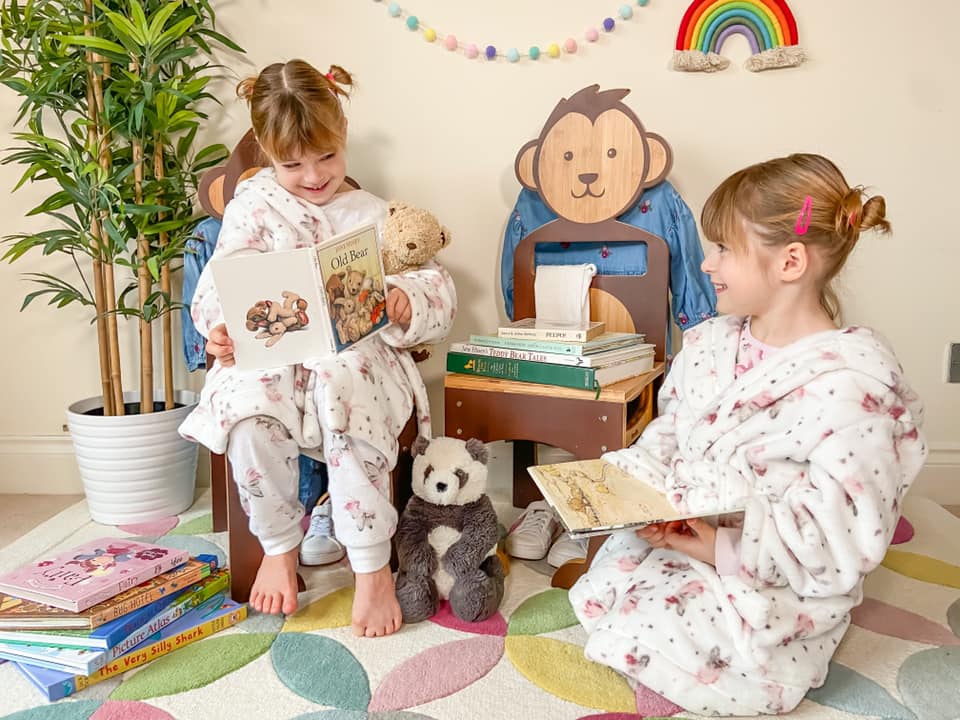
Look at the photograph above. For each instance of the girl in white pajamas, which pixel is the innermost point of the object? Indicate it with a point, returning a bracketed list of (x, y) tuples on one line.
[(809, 427), (351, 406)]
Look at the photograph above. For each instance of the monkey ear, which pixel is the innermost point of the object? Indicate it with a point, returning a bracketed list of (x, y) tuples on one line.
[(661, 160), (523, 166)]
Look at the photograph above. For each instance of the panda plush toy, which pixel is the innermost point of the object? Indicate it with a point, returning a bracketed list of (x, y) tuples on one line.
[(447, 535)]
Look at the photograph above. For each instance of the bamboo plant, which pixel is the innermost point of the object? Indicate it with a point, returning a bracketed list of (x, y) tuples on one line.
[(111, 94)]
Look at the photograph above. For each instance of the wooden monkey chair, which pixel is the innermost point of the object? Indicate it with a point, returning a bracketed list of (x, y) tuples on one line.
[(216, 189), (591, 162)]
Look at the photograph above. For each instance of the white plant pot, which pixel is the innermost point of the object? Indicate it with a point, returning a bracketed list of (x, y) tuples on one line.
[(134, 468)]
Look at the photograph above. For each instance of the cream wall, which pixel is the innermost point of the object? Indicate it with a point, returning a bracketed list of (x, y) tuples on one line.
[(438, 130)]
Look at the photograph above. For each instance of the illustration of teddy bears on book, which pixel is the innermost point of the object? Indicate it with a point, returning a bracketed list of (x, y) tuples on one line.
[(358, 302), (270, 319)]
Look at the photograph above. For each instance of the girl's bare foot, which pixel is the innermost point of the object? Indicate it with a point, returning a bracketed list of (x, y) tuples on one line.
[(376, 611), (275, 589)]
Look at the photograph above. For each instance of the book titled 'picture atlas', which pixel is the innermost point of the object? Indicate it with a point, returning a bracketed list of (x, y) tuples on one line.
[(90, 573), (288, 306), (216, 614)]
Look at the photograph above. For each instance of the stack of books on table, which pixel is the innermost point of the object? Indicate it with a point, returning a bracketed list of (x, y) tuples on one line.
[(581, 356), (107, 606)]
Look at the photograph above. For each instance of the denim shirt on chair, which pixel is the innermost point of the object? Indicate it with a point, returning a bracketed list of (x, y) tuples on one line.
[(199, 249), (660, 211)]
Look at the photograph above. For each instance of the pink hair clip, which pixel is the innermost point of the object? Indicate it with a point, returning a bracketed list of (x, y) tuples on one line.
[(852, 218), (803, 219), (329, 77)]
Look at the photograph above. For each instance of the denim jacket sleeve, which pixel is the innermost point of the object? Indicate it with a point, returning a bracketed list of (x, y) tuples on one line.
[(199, 249), (693, 298), (511, 238)]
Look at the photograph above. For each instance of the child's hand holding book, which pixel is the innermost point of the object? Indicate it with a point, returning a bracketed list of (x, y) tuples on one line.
[(398, 308), (694, 537), (220, 345)]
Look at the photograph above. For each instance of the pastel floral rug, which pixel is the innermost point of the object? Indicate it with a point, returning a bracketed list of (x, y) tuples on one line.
[(899, 661)]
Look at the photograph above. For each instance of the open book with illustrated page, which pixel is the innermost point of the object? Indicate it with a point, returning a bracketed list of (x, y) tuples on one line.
[(595, 497), (287, 306)]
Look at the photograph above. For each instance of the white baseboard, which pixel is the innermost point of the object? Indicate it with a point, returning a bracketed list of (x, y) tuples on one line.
[(45, 465), (940, 478)]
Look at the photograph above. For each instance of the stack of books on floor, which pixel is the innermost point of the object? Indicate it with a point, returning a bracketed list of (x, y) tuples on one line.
[(107, 606), (576, 356)]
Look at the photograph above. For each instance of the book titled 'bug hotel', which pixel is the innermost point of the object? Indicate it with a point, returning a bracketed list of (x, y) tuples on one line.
[(287, 306)]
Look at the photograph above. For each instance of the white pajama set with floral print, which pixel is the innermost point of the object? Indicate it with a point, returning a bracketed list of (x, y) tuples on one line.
[(818, 443), (352, 405)]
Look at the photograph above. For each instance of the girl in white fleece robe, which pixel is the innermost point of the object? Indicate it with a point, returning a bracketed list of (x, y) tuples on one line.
[(352, 406), (812, 429)]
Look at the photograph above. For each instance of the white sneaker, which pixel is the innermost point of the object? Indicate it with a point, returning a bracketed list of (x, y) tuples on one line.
[(533, 532), (319, 546), (566, 549)]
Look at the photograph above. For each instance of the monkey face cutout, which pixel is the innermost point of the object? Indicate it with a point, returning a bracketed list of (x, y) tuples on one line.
[(593, 158)]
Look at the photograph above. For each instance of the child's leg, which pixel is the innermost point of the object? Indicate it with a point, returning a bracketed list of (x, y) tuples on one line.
[(365, 521), (265, 466)]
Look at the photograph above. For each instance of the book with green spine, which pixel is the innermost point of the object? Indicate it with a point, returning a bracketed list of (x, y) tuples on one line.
[(583, 378)]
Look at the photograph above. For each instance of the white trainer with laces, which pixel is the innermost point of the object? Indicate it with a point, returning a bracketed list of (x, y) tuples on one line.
[(566, 549), (533, 532), (319, 546)]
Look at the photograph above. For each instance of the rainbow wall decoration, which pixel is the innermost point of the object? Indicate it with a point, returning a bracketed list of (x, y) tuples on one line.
[(768, 25)]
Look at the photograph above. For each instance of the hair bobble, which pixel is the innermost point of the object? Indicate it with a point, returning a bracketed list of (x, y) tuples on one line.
[(803, 219), (329, 76)]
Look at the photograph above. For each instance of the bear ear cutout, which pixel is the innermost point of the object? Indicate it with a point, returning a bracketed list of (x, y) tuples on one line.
[(218, 184), (419, 446), (478, 451), (211, 192)]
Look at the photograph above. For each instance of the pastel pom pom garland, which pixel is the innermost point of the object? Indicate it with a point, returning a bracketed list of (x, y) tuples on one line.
[(491, 52)]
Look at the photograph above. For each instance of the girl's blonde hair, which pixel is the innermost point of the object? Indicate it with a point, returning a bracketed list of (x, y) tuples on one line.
[(771, 196), (294, 107)]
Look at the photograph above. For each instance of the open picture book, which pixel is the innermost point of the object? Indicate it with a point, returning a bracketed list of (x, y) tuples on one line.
[(287, 306), (595, 497)]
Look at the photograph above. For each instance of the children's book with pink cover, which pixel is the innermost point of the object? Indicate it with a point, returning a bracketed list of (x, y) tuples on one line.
[(87, 574)]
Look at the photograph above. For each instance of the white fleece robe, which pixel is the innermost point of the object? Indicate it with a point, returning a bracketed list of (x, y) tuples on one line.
[(365, 393), (819, 443)]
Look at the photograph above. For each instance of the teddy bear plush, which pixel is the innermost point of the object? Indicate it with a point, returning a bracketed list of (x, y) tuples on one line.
[(447, 535), (411, 237)]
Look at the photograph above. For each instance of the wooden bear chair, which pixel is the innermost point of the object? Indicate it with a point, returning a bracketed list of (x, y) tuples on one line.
[(216, 190)]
